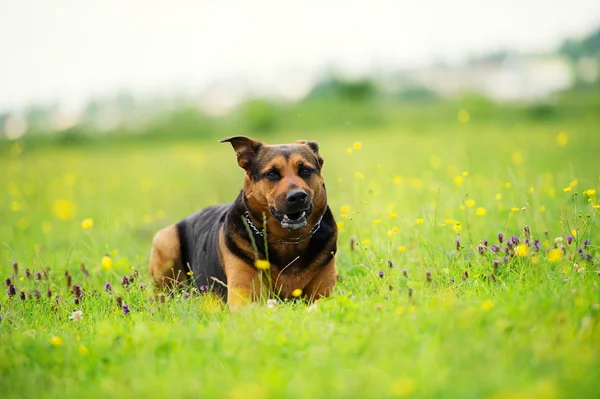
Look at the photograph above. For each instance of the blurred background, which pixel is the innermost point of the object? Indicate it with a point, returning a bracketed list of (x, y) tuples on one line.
[(75, 72)]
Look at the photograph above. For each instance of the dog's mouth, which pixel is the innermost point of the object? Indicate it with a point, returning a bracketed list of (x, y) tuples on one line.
[(294, 220)]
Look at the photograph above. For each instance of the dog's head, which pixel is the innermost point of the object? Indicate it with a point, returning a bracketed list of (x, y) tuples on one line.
[(282, 181)]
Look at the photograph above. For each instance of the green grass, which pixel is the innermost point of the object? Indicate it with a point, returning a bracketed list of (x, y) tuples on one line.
[(529, 328)]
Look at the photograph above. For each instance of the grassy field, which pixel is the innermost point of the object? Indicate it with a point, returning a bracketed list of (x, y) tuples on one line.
[(423, 308)]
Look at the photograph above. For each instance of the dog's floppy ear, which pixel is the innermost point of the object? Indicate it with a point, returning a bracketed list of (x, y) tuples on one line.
[(313, 146), (245, 149)]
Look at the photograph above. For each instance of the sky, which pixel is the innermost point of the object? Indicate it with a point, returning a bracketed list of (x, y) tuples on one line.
[(67, 51)]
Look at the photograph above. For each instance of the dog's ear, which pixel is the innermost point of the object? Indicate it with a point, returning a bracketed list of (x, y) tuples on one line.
[(245, 149), (314, 146)]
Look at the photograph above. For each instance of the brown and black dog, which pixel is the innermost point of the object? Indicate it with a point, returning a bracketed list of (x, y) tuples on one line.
[(280, 215)]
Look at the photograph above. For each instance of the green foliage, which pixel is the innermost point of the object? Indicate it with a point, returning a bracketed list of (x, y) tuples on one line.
[(442, 321)]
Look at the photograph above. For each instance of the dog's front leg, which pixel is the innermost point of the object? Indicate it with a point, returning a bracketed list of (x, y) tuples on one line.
[(322, 284), (243, 283)]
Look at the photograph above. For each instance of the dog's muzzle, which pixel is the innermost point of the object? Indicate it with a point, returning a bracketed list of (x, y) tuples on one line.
[(294, 214)]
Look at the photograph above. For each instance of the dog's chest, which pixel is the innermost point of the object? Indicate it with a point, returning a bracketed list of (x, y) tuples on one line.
[(285, 281)]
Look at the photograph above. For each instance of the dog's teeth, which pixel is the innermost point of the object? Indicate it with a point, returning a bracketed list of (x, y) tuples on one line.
[(302, 214)]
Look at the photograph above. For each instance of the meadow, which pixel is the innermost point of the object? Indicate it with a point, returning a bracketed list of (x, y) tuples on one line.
[(468, 261)]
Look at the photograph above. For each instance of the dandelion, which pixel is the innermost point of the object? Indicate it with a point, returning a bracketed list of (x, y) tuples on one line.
[(345, 208), (567, 189), (589, 193), (397, 180), (470, 203), (87, 223), (126, 309), (357, 145), (393, 215), (340, 225), (262, 264), (343, 216), (554, 255), (376, 221), (106, 262), (64, 210), (457, 227), (522, 250), (562, 139), (366, 241), (297, 292), (420, 221), (395, 229), (480, 211), (56, 341), (402, 248), (458, 180), (514, 209), (498, 196), (487, 305), (76, 315)]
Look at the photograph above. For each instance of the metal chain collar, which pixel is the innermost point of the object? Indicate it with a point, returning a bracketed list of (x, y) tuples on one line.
[(262, 232)]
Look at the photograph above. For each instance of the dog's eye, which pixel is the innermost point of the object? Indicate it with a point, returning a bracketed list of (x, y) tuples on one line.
[(305, 172), (272, 175)]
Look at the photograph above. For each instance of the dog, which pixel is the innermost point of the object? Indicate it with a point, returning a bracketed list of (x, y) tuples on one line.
[(279, 233)]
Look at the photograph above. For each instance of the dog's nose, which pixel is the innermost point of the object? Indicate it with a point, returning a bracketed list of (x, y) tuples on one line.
[(296, 197)]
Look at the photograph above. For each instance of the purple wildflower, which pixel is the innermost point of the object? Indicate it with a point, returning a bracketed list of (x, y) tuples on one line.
[(485, 243), (126, 309), (500, 238), (38, 275), (514, 240), (107, 287), (8, 282), (69, 280), (586, 244), (537, 244), (28, 273), (125, 281), (390, 263), (587, 257), (186, 295), (203, 288), (76, 301), (405, 273), (36, 294), (381, 273), (410, 293), (457, 240), (527, 231), (481, 249), (84, 270), (143, 286), (428, 276), (22, 295), (12, 290), (505, 259), (496, 264), (77, 291), (580, 250), (495, 248), (119, 301), (570, 239), (15, 268)]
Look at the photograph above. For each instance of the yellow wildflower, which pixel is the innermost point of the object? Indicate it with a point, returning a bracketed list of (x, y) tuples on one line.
[(487, 305), (471, 203), (343, 216), (64, 210), (262, 264), (345, 208), (366, 241), (522, 250), (531, 190), (596, 206), (395, 229), (297, 292), (589, 193), (480, 211), (420, 221), (359, 175), (554, 255), (535, 260), (458, 180), (56, 341), (457, 227), (542, 208), (390, 233), (461, 207), (514, 209), (574, 183), (448, 221), (357, 145), (340, 225), (567, 189), (562, 139), (463, 116), (401, 248), (106, 262), (349, 150), (465, 174), (376, 221), (507, 184), (397, 180), (87, 223), (83, 350), (393, 215), (498, 196)]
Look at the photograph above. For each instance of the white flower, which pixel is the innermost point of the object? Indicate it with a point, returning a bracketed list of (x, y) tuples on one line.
[(76, 315), (312, 308), (271, 303)]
